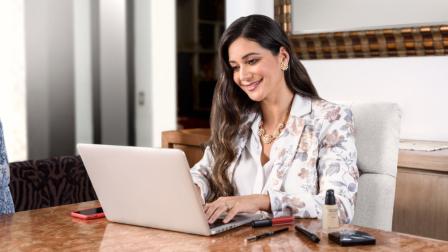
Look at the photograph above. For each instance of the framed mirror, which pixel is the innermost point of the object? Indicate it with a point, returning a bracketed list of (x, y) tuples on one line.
[(390, 41)]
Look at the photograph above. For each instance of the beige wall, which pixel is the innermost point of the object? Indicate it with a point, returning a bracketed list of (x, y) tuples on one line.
[(328, 15), (155, 69)]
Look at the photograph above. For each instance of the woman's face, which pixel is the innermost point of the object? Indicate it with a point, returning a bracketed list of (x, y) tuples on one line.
[(256, 70)]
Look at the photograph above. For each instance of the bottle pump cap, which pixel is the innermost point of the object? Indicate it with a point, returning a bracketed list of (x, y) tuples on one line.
[(329, 197)]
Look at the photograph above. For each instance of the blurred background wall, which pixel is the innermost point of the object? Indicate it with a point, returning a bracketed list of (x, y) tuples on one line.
[(12, 78), (77, 71), (123, 71)]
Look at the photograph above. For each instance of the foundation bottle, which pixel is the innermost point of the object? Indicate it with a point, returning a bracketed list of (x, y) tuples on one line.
[(330, 219)]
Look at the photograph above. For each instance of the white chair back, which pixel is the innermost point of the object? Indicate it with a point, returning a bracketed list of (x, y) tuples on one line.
[(377, 136)]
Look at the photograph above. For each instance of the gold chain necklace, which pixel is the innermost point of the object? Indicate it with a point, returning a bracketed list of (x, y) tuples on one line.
[(266, 138)]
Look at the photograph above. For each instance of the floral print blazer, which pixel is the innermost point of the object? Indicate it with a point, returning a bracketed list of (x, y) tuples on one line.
[(6, 204), (315, 152)]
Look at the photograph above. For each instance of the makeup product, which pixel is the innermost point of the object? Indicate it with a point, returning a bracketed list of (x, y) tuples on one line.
[(310, 235), (267, 234), (285, 220), (351, 238), (330, 219)]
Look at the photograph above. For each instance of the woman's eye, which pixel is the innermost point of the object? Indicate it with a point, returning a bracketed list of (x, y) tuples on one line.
[(235, 68), (252, 61)]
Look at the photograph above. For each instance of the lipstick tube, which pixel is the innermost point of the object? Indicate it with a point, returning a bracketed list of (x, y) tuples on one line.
[(273, 222)]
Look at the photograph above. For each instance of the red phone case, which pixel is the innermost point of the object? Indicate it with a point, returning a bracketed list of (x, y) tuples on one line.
[(87, 217)]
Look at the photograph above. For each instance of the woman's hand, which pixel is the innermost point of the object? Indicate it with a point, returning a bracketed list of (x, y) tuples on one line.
[(234, 205)]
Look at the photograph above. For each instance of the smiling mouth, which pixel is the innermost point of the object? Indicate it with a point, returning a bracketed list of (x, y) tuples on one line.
[(253, 85)]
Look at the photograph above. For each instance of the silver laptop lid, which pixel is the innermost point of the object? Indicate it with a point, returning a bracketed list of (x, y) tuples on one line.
[(149, 187), (145, 186)]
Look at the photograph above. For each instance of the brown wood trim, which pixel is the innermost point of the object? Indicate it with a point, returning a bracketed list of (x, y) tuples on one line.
[(389, 42), (282, 14)]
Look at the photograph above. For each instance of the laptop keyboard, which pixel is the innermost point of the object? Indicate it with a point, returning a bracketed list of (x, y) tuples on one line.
[(218, 223)]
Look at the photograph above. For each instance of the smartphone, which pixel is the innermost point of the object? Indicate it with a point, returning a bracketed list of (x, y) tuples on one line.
[(88, 214)]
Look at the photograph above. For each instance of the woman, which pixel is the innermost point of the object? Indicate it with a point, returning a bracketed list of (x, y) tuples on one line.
[(275, 145)]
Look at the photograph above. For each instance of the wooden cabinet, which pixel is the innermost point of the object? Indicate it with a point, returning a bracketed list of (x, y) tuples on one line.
[(421, 196)]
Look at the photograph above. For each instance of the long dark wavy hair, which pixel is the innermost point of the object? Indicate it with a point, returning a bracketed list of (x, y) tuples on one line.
[(231, 106)]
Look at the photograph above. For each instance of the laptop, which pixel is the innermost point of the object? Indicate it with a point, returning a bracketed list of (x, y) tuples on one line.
[(150, 187)]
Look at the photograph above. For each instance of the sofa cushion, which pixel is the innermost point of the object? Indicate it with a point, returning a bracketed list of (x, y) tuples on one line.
[(50, 182)]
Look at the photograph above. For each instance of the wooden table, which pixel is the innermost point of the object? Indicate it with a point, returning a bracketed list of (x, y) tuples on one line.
[(52, 229)]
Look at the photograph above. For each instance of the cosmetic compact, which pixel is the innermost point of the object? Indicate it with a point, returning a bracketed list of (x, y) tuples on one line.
[(351, 238)]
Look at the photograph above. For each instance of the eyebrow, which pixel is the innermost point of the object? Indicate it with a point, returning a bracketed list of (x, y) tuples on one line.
[(245, 56)]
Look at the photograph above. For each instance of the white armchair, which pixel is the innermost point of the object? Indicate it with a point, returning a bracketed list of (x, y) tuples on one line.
[(377, 134)]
